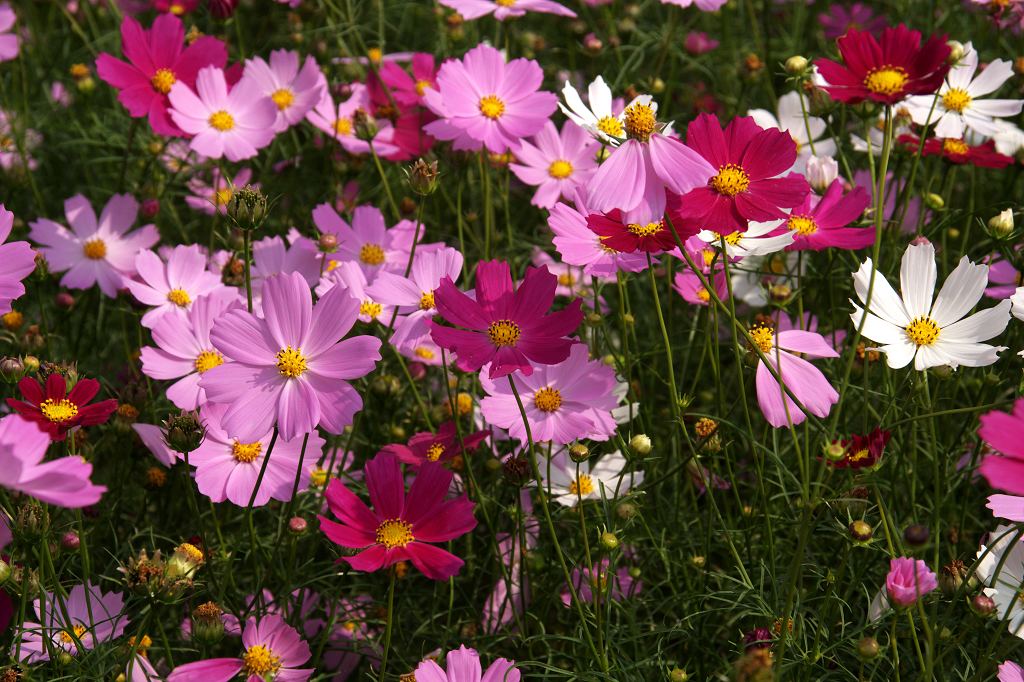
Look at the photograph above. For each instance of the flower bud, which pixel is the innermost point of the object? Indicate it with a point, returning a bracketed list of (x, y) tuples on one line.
[(678, 675), (70, 541), (64, 300), (222, 9), (247, 208), (867, 648), (12, 369), (185, 561), (516, 470), (5, 571), (821, 172), (592, 44), (207, 626), (423, 177), (32, 521), (1001, 226), (835, 451), (365, 125), (796, 65), (640, 444), (956, 51), (579, 452), (934, 201), (697, 561), (953, 575), (327, 243), (983, 605), (184, 432), (626, 510), (297, 525), (916, 534), (861, 531), (31, 364), (609, 541), (149, 207)]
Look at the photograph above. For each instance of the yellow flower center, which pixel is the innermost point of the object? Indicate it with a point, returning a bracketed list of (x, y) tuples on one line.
[(246, 452), (503, 333), (370, 309), (425, 353), (13, 320), (191, 552), (859, 455), (639, 121), (956, 100), (427, 300), (762, 337), (547, 399), (162, 80), (560, 169), (94, 249), (566, 280), (343, 127), (317, 477), (609, 125), (283, 98), (291, 362), (731, 180), (375, 55), (221, 121), (58, 411), (504, 3), (887, 80), (371, 254), (67, 638), (584, 485), (648, 230), (179, 297), (923, 331), (176, 8), (709, 256), (421, 87), (207, 360), (222, 196), (435, 451), (394, 533), (802, 224), (702, 294), (734, 238), (141, 646), (957, 147), (492, 107), (260, 660)]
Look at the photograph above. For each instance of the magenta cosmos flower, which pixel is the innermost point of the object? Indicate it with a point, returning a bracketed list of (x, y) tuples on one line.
[(786, 352), (63, 482), (234, 125), (273, 651), (442, 446), (400, 526), (556, 163), (157, 59), (743, 187), (482, 100), (367, 240), (1005, 434), (839, 19), (908, 580), (578, 245), (92, 619), (9, 41), (503, 9), (17, 261), (94, 252), (464, 666), (822, 222), (183, 348), (56, 410), (408, 89), (293, 90), (171, 287), (290, 369), (505, 326)]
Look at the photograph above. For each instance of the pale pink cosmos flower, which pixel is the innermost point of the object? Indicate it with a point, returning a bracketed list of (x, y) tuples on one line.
[(503, 9), (171, 287), (290, 369), (702, 5), (88, 613), (271, 646), (152, 436), (213, 196), (786, 351), (337, 121), (183, 348), (578, 245), (294, 91), (94, 252), (556, 163), (9, 40), (463, 665), (352, 280), (510, 596), (17, 261), (233, 124), (367, 240), (271, 256)]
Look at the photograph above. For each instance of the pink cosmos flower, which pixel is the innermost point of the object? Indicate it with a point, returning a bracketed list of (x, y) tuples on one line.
[(11, 157), (821, 222), (63, 482), (295, 92), (9, 40), (290, 368), (94, 252), (227, 467), (152, 436), (351, 279), (1003, 278), (273, 650), (702, 5), (746, 159), (367, 240), (270, 256), (840, 19), (612, 585), (482, 100), (578, 245), (786, 352), (1010, 672), (172, 286), (213, 196), (908, 580), (183, 348), (400, 526), (564, 402), (698, 42), (234, 125), (158, 59), (408, 90), (17, 261), (689, 286), (442, 446), (336, 120), (176, 7), (503, 9), (464, 666), (510, 596), (556, 163), (506, 327), (92, 620), (1004, 469)]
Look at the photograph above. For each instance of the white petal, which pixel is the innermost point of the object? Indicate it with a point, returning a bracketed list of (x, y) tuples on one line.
[(980, 326), (962, 290), (917, 279), (884, 301), (899, 355), (968, 354), (878, 330), (600, 96)]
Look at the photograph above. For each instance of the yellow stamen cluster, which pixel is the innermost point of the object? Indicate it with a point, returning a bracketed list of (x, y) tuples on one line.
[(207, 360), (763, 337), (394, 533), (503, 333), (702, 294), (887, 80), (371, 254), (705, 427), (291, 362), (639, 121), (425, 353), (179, 297), (427, 300), (246, 452), (802, 224), (283, 98), (343, 127), (422, 86), (923, 331), (222, 196), (548, 399), (647, 230), (956, 100), (58, 411), (584, 485), (731, 180), (492, 107), (435, 451), (955, 147), (260, 660), (163, 80), (609, 125), (67, 638), (734, 238), (370, 309), (94, 249), (221, 121), (560, 169), (190, 552)]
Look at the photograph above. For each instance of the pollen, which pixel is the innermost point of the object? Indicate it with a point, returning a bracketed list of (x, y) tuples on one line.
[(566, 279), (260, 660), (163, 80), (283, 98), (731, 180), (702, 294), (422, 86), (492, 107), (503, 333), (609, 125), (560, 169), (190, 552), (956, 100), (427, 300), (207, 360), (802, 224), (923, 331), (94, 249), (640, 121), (954, 147), (425, 353), (179, 297), (291, 362), (646, 230), (887, 80), (246, 452), (762, 336), (221, 121), (394, 533), (317, 477), (705, 427), (858, 456), (58, 411), (371, 254), (68, 638), (548, 399), (222, 196), (584, 485), (435, 451), (370, 309), (343, 127), (734, 238)]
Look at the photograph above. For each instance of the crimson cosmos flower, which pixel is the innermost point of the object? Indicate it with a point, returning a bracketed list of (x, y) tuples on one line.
[(56, 411), (436, 447), (630, 237), (863, 452), (959, 152)]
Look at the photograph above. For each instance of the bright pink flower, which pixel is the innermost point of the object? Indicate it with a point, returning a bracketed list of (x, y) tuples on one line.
[(290, 368), (743, 186), (95, 619), (506, 327), (367, 240), (63, 482), (957, 151), (578, 245), (613, 585), (1010, 672), (1003, 278), (885, 70), (213, 197), (271, 646), (9, 40), (556, 163), (158, 59), (337, 121), (786, 352), (94, 252), (176, 7), (689, 286), (408, 90), (821, 222), (442, 446), (17, 261), (295, 92), (400, 526), (183, 348), (56, 410), (1004, 470), (908, 580), (482, 100), (464, 666), (697, 42), (234, 125), (171, 287), (502, 9), (350, 278)]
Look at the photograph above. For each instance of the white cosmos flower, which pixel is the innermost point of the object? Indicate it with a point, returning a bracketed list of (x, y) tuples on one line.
[(598, 119), (1009, 138), (607, 478), (1003, 584), (931, 333), (753, 242), (958, 105), (791, 120)]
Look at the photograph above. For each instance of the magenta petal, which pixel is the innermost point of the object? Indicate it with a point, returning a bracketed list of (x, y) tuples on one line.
[(211, 670), (386, 487), (433, 562)]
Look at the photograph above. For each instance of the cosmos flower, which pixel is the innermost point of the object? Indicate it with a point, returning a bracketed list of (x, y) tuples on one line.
[(607, 478), (930, 334), (9, 41), (786, 352), (698, 42), (578, 245), (956, 151), (507, 327), (759, 239), (503, 9), (442, 446), (1004, 433), (271, 256), (840, 19), (293, 90), (1003, 277), (1001, 570), (601, 117), (352, 280), (55, 410), (1010, 672), (688, 285), (555, 163), (94, 252), (615, 232), (171, 287), (908, 580), (367, 240), (464, 666), (702, 5), (338, 122), (862, 452), (213, 196), (611, 584), (401, 527), (88, 620), (823, 222), (408, 89), (17, 261), (806, 130)]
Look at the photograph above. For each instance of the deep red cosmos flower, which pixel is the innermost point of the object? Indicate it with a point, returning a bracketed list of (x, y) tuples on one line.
[(435, 447), (959, 152), (863, 452), (630, 237), (745, 188), (56, 411), (885, 70)]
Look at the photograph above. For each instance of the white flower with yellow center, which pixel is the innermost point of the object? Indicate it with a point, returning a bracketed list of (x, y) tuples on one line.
[(608, 478), (932, 333), (755, 241), (598, 119)]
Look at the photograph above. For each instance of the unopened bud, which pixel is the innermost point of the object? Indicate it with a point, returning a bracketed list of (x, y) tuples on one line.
[(64, 300), (207, 626), (12, 369), (247, 208), (365, 125), (861, 531), (592, 44), (184, 432), (934, 201), (835, 451), (983, 605), (609, 541), (867, 648), (640, 444), (327, 243), (1001, 225), (626, 510), (423, 177), (31, 364), (796, 65), (5, 571), (70, 541), (297, 525), (916, 534), (579, 452), (185, 561), (149, 207), (956, 51), (678, 675)]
